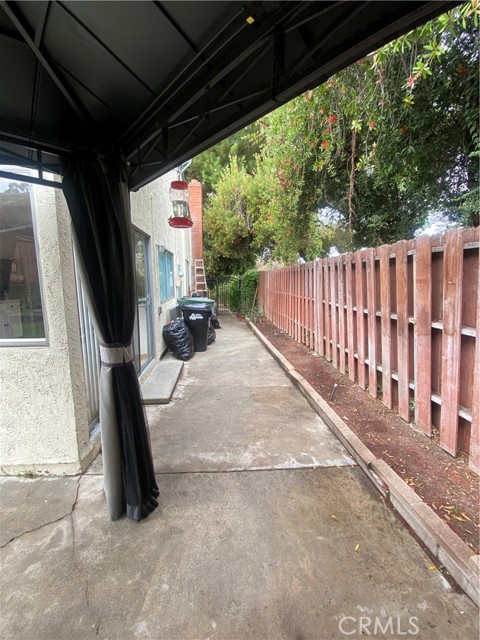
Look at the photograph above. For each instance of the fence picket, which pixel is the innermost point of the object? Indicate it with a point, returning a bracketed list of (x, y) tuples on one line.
[(350, 333), (360, 304), (299, 306), (402, 330), (386, 325), (341, 315), (304, 338), (327, 314), (295, 307), (321, 310), (312, 306), (372, 325), (332, 305), (333, 312), (297, 303), (423, 334), (315, 307)]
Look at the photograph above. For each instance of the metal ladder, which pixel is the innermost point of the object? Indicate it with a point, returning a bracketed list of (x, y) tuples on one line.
[(200, 280)]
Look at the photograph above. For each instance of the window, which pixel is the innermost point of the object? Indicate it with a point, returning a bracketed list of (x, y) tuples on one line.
[(21, 313), (180, 278), (165, 267)]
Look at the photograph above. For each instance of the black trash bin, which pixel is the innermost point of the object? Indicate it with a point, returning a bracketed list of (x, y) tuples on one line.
[(197, 318)]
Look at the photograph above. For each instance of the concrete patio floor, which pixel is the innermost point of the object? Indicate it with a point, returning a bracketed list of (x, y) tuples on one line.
[(266, 530)]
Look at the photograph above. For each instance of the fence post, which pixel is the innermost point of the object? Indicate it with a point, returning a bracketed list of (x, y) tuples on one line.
[(474, 454), (451, 339)]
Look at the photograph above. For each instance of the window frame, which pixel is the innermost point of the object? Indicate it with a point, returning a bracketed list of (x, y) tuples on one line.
[(33, 342), (169, 291)]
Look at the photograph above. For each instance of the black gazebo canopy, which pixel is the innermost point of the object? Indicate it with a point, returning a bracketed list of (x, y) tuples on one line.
[(114, 94), (159, 82)]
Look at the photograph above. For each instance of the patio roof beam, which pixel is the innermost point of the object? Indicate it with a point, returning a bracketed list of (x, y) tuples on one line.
[(238, 79), (313, 16), (154, 107), (223, 71), (202, 117), (72, 100), (311, 51), (258, 40), (176, 26), (39, 31), (226, 105), (46, 147), (10, 175)]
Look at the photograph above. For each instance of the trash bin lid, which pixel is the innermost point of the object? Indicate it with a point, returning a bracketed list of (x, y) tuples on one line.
[(197, 305), (191, 300)]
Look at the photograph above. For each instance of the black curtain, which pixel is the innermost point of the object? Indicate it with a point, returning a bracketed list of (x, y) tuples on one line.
[(96, 190)]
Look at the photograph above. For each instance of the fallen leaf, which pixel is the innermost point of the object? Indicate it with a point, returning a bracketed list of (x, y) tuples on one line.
[(357, 547), (334, 517), (432, 567)]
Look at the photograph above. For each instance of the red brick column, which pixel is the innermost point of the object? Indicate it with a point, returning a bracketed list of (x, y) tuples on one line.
[(195, 192)]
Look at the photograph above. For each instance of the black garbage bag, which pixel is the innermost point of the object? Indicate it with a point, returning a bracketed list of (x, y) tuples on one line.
[(211, 334), (215, 323), (178, 339)]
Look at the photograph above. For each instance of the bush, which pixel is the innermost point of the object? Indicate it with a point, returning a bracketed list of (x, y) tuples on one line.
[(234, 294), (249, 284), (242, 292)]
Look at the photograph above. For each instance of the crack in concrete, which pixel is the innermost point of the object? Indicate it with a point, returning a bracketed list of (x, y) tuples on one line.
[(46, 524), (79, 569)]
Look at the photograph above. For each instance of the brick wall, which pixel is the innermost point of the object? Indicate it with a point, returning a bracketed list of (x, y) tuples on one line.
[(195, 191)]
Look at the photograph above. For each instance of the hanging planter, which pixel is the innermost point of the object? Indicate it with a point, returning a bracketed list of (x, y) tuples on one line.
[(179, 196)]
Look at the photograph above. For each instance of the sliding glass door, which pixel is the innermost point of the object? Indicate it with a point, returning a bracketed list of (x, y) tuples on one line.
[(143, 333)]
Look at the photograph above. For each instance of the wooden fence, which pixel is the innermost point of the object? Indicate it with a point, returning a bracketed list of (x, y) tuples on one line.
[(400, 320)]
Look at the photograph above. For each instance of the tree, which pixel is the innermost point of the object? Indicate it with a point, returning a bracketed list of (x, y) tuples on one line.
[(389, 139), (228, 223), (383, 144), (208, 167)]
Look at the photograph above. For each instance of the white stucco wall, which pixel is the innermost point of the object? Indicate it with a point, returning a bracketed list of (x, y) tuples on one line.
[(43, 408), (43, 419), (151, 208)]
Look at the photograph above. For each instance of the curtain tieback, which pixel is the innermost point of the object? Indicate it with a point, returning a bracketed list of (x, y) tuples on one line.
[(116, 354)]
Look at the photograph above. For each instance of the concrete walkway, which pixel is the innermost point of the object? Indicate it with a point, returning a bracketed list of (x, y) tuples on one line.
[(266, 530)]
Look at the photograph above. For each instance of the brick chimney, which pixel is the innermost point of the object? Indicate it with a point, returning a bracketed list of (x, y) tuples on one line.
[(195, 192)]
